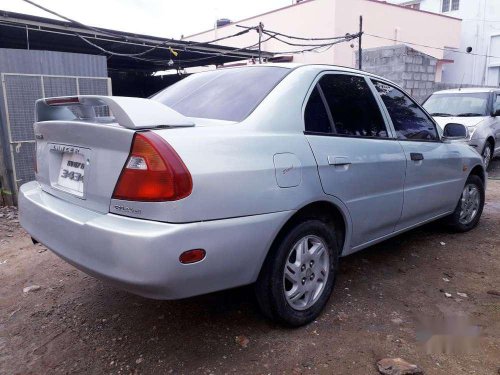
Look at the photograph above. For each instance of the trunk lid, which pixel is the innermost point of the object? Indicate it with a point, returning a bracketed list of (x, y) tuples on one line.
[(84, 142)]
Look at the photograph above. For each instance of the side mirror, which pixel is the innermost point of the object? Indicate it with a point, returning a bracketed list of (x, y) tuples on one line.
[(454, 131)]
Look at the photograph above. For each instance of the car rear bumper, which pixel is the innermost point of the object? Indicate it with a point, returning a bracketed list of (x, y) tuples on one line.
[(142, 256)]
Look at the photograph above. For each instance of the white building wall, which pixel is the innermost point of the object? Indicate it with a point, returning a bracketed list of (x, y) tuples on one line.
[(480, 30), (324, 18)]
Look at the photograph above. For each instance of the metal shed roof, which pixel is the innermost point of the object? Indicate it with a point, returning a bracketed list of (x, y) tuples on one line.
[(23, 31)]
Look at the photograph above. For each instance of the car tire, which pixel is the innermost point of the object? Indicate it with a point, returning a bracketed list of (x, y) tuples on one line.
[(293, 289), (469, 207), (487, 154)]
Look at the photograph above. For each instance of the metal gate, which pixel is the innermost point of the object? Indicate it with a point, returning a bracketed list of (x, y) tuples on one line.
[(20, 91)]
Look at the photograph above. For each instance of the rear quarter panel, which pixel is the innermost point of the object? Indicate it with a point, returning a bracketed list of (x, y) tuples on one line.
[(232, 165)]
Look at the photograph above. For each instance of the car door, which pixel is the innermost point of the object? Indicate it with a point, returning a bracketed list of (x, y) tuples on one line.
[(496, 122), (358, 161), (434, 169)]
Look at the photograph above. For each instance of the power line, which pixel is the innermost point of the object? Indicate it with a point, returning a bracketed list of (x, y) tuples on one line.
[(117, 53), (342, 39), (218, 39), (312, 49), (272, 34), (433, 47), (139, 55), (127, 38), (110, 33), (294, 37), (228, 53), (112, 53)]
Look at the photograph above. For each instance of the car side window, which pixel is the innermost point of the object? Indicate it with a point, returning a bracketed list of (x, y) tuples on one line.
[(410, 122), (315, 116), (353, 107), (496, 103)]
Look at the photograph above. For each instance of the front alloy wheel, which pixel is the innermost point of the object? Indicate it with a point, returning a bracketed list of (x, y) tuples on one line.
[(487, 155), (469, 207), (469, 204)]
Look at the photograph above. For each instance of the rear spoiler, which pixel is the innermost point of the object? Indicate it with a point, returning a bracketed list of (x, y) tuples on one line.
[(131, 113)]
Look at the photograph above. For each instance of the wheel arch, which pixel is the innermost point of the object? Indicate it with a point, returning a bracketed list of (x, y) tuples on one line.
[(325, 210), (478, 170), (491, 139)]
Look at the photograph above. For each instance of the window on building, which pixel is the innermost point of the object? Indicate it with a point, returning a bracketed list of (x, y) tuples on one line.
[(446, 6), (410, 122), (450, 5), (352, 106)]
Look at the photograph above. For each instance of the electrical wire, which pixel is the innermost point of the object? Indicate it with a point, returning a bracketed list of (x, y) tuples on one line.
[(228, 53), (312, 49), (433, 47), (110, 33), (272, 35), (129, 38), (218, 39), (294, 37), (138, 56), (116, 53), (344, 39)]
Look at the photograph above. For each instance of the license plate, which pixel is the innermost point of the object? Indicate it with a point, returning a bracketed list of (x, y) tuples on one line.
[(71, 175)]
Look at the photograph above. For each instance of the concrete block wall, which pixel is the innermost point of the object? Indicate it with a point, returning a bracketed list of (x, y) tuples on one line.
[(411, 69)]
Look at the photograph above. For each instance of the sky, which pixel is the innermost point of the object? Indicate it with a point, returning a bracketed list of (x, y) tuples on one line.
[(167, 18)]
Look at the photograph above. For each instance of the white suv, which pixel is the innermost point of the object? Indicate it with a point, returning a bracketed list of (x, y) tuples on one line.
[(476, 108)]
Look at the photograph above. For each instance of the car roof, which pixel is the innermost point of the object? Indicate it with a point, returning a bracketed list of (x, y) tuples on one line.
[(321, 67), (467, 90)]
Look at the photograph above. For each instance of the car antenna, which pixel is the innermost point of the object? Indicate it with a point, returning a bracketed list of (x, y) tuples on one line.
[(461, 82)]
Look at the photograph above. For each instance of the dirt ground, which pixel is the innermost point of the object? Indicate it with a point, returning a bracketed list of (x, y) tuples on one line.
[(76, 324)]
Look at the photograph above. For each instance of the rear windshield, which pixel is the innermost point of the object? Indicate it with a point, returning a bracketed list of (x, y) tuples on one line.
[(230, 94), (460, 104)]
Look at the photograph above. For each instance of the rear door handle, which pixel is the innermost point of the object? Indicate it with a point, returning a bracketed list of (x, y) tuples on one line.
[(338, 160), (416, 156)]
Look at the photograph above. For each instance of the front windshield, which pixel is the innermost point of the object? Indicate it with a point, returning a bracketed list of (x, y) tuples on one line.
[(229, 94), (458, 104)]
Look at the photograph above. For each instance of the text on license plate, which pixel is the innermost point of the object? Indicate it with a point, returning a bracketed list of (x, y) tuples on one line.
[(72, 172)]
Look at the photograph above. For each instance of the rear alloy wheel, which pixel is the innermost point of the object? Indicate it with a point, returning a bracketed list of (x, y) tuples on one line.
[(298, 276), (305, 272), (487, 154), (470, 206)]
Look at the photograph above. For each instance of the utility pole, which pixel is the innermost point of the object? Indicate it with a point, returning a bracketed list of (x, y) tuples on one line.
[(260, 28), (360, 50)]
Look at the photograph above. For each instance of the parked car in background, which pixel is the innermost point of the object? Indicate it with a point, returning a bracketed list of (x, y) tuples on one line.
[(476, 108), (264, 174)]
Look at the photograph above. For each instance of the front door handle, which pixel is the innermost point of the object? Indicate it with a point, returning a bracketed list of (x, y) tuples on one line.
[(416, 156), (338, 160)]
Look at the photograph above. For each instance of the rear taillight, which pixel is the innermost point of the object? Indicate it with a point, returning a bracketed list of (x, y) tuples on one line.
[(153, 172)]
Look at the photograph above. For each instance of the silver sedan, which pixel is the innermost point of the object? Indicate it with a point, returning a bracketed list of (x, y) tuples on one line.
[(262, 174)]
